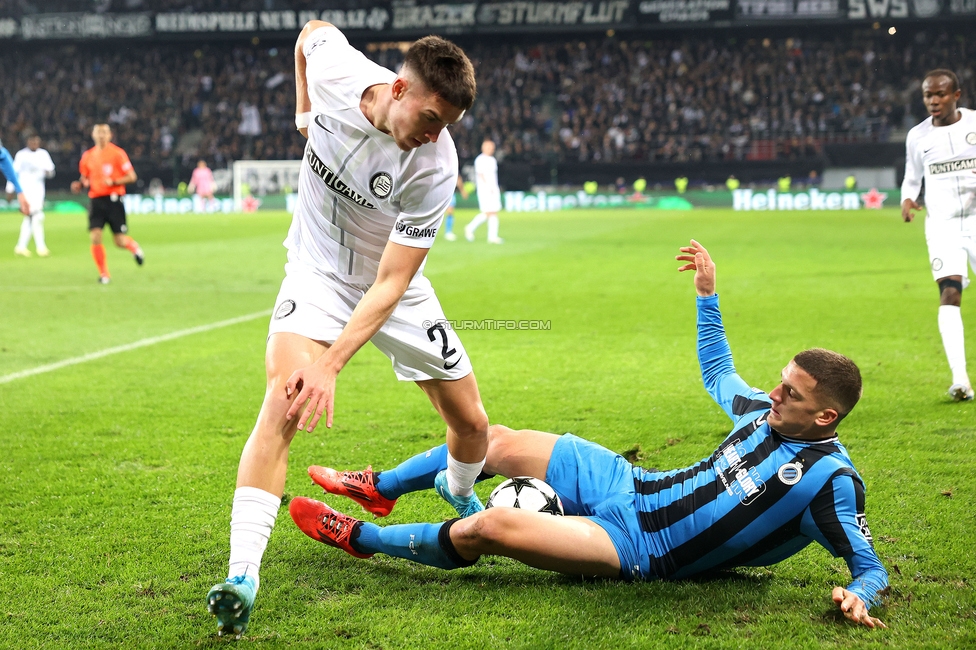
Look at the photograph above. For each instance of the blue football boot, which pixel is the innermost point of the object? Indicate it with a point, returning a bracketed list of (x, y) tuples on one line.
[(465, 506), (231, 602)]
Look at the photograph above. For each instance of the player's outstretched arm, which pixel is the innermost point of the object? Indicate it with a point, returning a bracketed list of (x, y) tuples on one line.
[(854, 608), (316, 383), (714, 353)]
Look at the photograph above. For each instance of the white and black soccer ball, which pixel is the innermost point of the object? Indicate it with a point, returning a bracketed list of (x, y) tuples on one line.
[(526, 493)]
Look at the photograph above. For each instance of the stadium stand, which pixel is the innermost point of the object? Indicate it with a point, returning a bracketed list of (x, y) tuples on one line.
[(682, 99)]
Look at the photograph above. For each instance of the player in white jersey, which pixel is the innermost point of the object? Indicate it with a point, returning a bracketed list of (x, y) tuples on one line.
[(942, 150), (378, 174), (33, 166), (489, 195)]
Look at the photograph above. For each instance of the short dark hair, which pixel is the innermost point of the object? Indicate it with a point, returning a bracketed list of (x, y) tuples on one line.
[(838, 378), (942, 72), (444, 68)]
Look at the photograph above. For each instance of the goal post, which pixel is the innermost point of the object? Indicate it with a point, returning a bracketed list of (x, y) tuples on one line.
[(269, 181)]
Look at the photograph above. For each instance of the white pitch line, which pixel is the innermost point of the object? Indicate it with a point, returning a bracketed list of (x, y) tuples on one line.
[(131, 346)]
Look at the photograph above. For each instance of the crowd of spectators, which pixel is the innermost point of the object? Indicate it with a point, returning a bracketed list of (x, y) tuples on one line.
[(706, 98), (693, 98)]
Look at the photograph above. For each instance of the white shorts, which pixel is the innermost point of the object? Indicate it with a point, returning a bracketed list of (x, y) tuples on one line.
[(415, 338), (35, 200), (489, 201), (952, 247)]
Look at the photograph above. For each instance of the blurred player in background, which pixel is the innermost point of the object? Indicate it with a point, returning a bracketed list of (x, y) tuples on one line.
[(377, 177), (202, 182), (489, 195), (942, 150), (105, 171), (7, 168), (33, 166), (779, 481), (449, 215)]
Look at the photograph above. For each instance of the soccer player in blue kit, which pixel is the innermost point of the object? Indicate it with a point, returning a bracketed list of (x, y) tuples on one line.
[(778, 482)]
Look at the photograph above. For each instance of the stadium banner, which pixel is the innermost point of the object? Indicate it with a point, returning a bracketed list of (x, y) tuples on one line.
[(811, 199), (159, 204), (684, 11), (740, 200), (405, 18), (83, 26)]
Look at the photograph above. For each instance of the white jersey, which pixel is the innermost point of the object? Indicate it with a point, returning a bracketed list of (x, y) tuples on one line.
[(946, 157), (357, 190), (486, 174), (32, 168)]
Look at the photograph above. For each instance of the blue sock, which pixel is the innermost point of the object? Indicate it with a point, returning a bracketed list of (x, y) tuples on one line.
[(449, 223), (413, 474), (416, 542)]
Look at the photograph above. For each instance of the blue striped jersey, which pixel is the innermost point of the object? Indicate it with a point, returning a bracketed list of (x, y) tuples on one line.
[(760, 497)]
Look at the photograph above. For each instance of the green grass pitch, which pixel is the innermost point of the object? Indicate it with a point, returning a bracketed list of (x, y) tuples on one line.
[(117, 474)]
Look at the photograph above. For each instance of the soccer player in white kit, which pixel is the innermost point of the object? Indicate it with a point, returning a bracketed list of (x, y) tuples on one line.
[(378, 173), (942, 149), (489, 195), (33, 166)]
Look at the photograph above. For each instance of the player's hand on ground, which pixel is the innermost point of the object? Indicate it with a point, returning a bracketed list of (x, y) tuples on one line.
[(24, 205), (699, 261), (854, 608), (316, 386), (908, 207)]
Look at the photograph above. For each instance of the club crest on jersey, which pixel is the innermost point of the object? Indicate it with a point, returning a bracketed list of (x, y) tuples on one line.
[(971, 138), (284, 309), (381, 184), (790, 473), (333, 182)]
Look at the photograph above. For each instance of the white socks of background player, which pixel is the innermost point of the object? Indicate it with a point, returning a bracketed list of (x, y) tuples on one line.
[(25, 233), (251, 521), (461, 476), (37, 227), (33, 224), (479, 219), (493, 227), (953, 340)]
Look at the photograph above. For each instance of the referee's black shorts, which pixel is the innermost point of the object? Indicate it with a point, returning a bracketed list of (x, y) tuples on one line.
[(107, 210)]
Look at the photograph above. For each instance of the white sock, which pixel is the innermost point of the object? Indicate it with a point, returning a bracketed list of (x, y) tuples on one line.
[(954, 342), (251, 521), (461, 476), (37, 227), (25, 233), (493, 227), (477, 221)]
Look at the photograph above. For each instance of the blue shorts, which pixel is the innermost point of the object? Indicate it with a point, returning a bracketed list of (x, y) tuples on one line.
[(453, 200), (598, 484)]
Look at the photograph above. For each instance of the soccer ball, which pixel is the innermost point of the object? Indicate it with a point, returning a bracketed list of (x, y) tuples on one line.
[(526, 493)]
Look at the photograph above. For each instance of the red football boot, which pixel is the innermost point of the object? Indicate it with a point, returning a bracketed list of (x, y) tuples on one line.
[(322, 523), (358, 486)]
